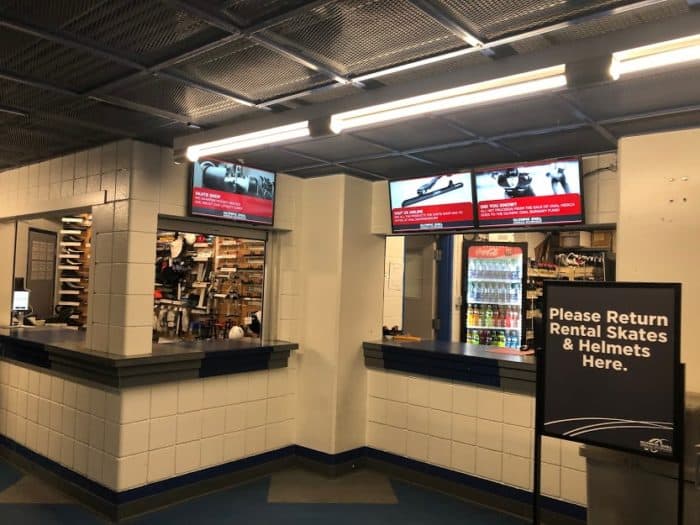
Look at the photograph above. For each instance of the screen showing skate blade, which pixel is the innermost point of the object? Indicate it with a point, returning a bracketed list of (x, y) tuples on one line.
[(232, 191), (530, 194), (443, 202)]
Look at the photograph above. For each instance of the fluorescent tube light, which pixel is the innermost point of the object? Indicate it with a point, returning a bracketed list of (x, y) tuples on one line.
[(417, 63), (663, 54), (507, 87), (249, 140)]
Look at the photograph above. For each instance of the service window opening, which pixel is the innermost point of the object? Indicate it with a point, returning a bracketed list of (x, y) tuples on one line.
[(207, 287)]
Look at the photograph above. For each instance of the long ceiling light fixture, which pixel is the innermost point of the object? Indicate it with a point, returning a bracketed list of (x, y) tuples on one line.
[(671, 52), (501, 88), (249, 140)]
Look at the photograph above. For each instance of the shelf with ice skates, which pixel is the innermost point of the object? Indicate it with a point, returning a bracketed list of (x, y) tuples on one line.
[(569, 272)]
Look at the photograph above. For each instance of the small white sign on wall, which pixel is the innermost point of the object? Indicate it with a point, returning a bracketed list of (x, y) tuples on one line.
[(501, 237)]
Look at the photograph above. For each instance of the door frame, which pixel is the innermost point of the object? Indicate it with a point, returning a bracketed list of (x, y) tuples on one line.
[(55, 265)]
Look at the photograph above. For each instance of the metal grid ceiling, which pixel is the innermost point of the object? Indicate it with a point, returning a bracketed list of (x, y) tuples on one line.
[(604, 25), (138, 27), (54, 13), (161, 66), (94, 114), (175, 97), (66, 67), (493, 19), (25, 97), (251, 70), (249, 12), (368, 35)]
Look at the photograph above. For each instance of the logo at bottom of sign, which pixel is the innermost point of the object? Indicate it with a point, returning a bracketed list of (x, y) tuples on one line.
[(656, 446)]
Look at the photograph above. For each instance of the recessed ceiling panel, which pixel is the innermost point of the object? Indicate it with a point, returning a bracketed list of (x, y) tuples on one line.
[(272, 158), (338, 147), (469, 156), (600, 26), (54, 13), (251, 70), (573, 142), (669, 88), (248, 12), (515, 115), (145, 28), (94, 113), (53, 63), (649, 125), (471, 59), (492, 19), (366, 35), (175, 97), (414, 133), (396, 167), (13, 94)]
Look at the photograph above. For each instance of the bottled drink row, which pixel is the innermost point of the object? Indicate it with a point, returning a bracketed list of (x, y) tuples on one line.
[(502, 269), (495, 292), (507, 339), (493, 316)]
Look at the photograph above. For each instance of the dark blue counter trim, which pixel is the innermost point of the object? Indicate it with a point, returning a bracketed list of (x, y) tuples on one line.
[(449, 360), (190, 362)]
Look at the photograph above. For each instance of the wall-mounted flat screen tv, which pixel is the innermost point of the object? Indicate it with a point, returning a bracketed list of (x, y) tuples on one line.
[(443, 202), (226, 190), (540, 193)]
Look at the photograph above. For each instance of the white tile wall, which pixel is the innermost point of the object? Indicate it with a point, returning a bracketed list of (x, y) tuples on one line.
[(128, 438), (478, 430)]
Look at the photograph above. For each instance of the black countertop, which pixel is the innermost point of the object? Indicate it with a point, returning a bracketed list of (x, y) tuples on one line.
[(64, 349), (455, 349), (450, 360)]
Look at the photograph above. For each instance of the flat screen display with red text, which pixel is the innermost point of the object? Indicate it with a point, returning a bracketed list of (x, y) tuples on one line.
[(232, 191), (530, 194), (443, 202)]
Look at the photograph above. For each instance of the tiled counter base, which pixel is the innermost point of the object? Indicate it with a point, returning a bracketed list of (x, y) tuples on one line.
[(120, 444), (481, 431), (61, 411)]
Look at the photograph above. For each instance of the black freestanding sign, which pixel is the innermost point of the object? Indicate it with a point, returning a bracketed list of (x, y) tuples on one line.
[(610, 373), (610, 365)]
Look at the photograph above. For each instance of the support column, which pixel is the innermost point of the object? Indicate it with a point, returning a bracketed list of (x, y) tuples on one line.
[(341, 275)]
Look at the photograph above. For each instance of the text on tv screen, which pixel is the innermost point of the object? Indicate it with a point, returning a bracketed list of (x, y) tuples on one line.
[(443, 202), (529, 194), (231, 191)]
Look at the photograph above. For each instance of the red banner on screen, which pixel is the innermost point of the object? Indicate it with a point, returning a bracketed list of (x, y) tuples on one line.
[(234, 205), (439, 215), (527, 208), (493, 251)]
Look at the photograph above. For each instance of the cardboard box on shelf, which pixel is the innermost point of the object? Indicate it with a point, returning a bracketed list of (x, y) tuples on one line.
[(602, 240), (577, 239)]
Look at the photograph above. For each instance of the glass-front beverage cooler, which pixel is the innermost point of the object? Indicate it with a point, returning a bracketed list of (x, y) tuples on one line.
[(494, 279)]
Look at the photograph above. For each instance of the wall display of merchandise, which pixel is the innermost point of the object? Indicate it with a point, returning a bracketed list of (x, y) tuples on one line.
[(569, 263), (207, 287), (73, 265)]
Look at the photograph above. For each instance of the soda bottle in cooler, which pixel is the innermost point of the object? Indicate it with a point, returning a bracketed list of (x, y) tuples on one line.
[(501, 341), (514, 270)]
